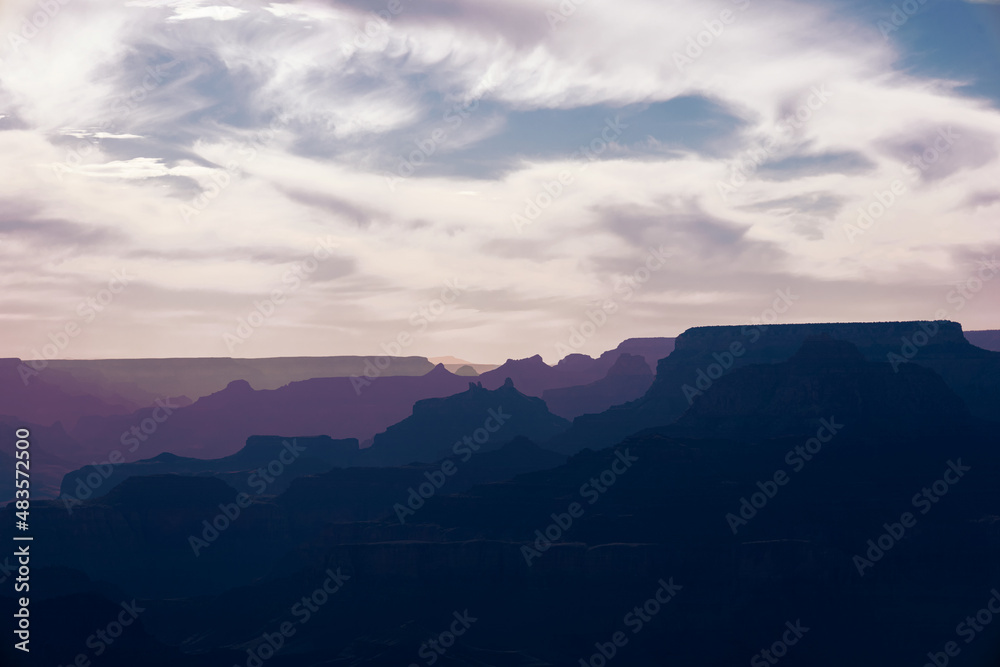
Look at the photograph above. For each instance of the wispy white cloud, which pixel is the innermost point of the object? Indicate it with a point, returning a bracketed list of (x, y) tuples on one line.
[(185, 10), (275, 123)]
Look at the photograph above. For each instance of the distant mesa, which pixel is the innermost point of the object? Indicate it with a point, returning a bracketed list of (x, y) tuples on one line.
[(988, 340), (626, 380), (46, 396), (630, 364), (141, 381), (534, 377), (447, 360), (650, 349), (461, 366), (576, 363)]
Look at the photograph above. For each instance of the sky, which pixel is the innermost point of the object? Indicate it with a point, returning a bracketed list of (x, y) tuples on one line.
[(490, 180)]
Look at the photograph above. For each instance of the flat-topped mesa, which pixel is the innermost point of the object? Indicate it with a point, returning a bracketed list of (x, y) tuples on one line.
[(863, 334), (702, 355), (939, 345)]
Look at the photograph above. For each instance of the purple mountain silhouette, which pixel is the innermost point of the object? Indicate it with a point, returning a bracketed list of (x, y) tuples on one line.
[(49, 444), (650, 349), (988, 339), (532, 376), (29, 395), (218, 425), (626, 380), (144, 380)]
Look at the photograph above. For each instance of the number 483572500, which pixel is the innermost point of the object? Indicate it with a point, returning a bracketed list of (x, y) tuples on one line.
[(22, 468)]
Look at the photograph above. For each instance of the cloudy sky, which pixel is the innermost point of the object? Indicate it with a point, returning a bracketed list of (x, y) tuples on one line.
[(487, 179)]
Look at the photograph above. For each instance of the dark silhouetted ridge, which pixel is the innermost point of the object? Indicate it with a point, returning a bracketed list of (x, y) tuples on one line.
[(438, 425)]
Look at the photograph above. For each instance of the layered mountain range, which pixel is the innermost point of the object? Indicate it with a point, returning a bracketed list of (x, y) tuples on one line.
[(829, 480), (88, 423)]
